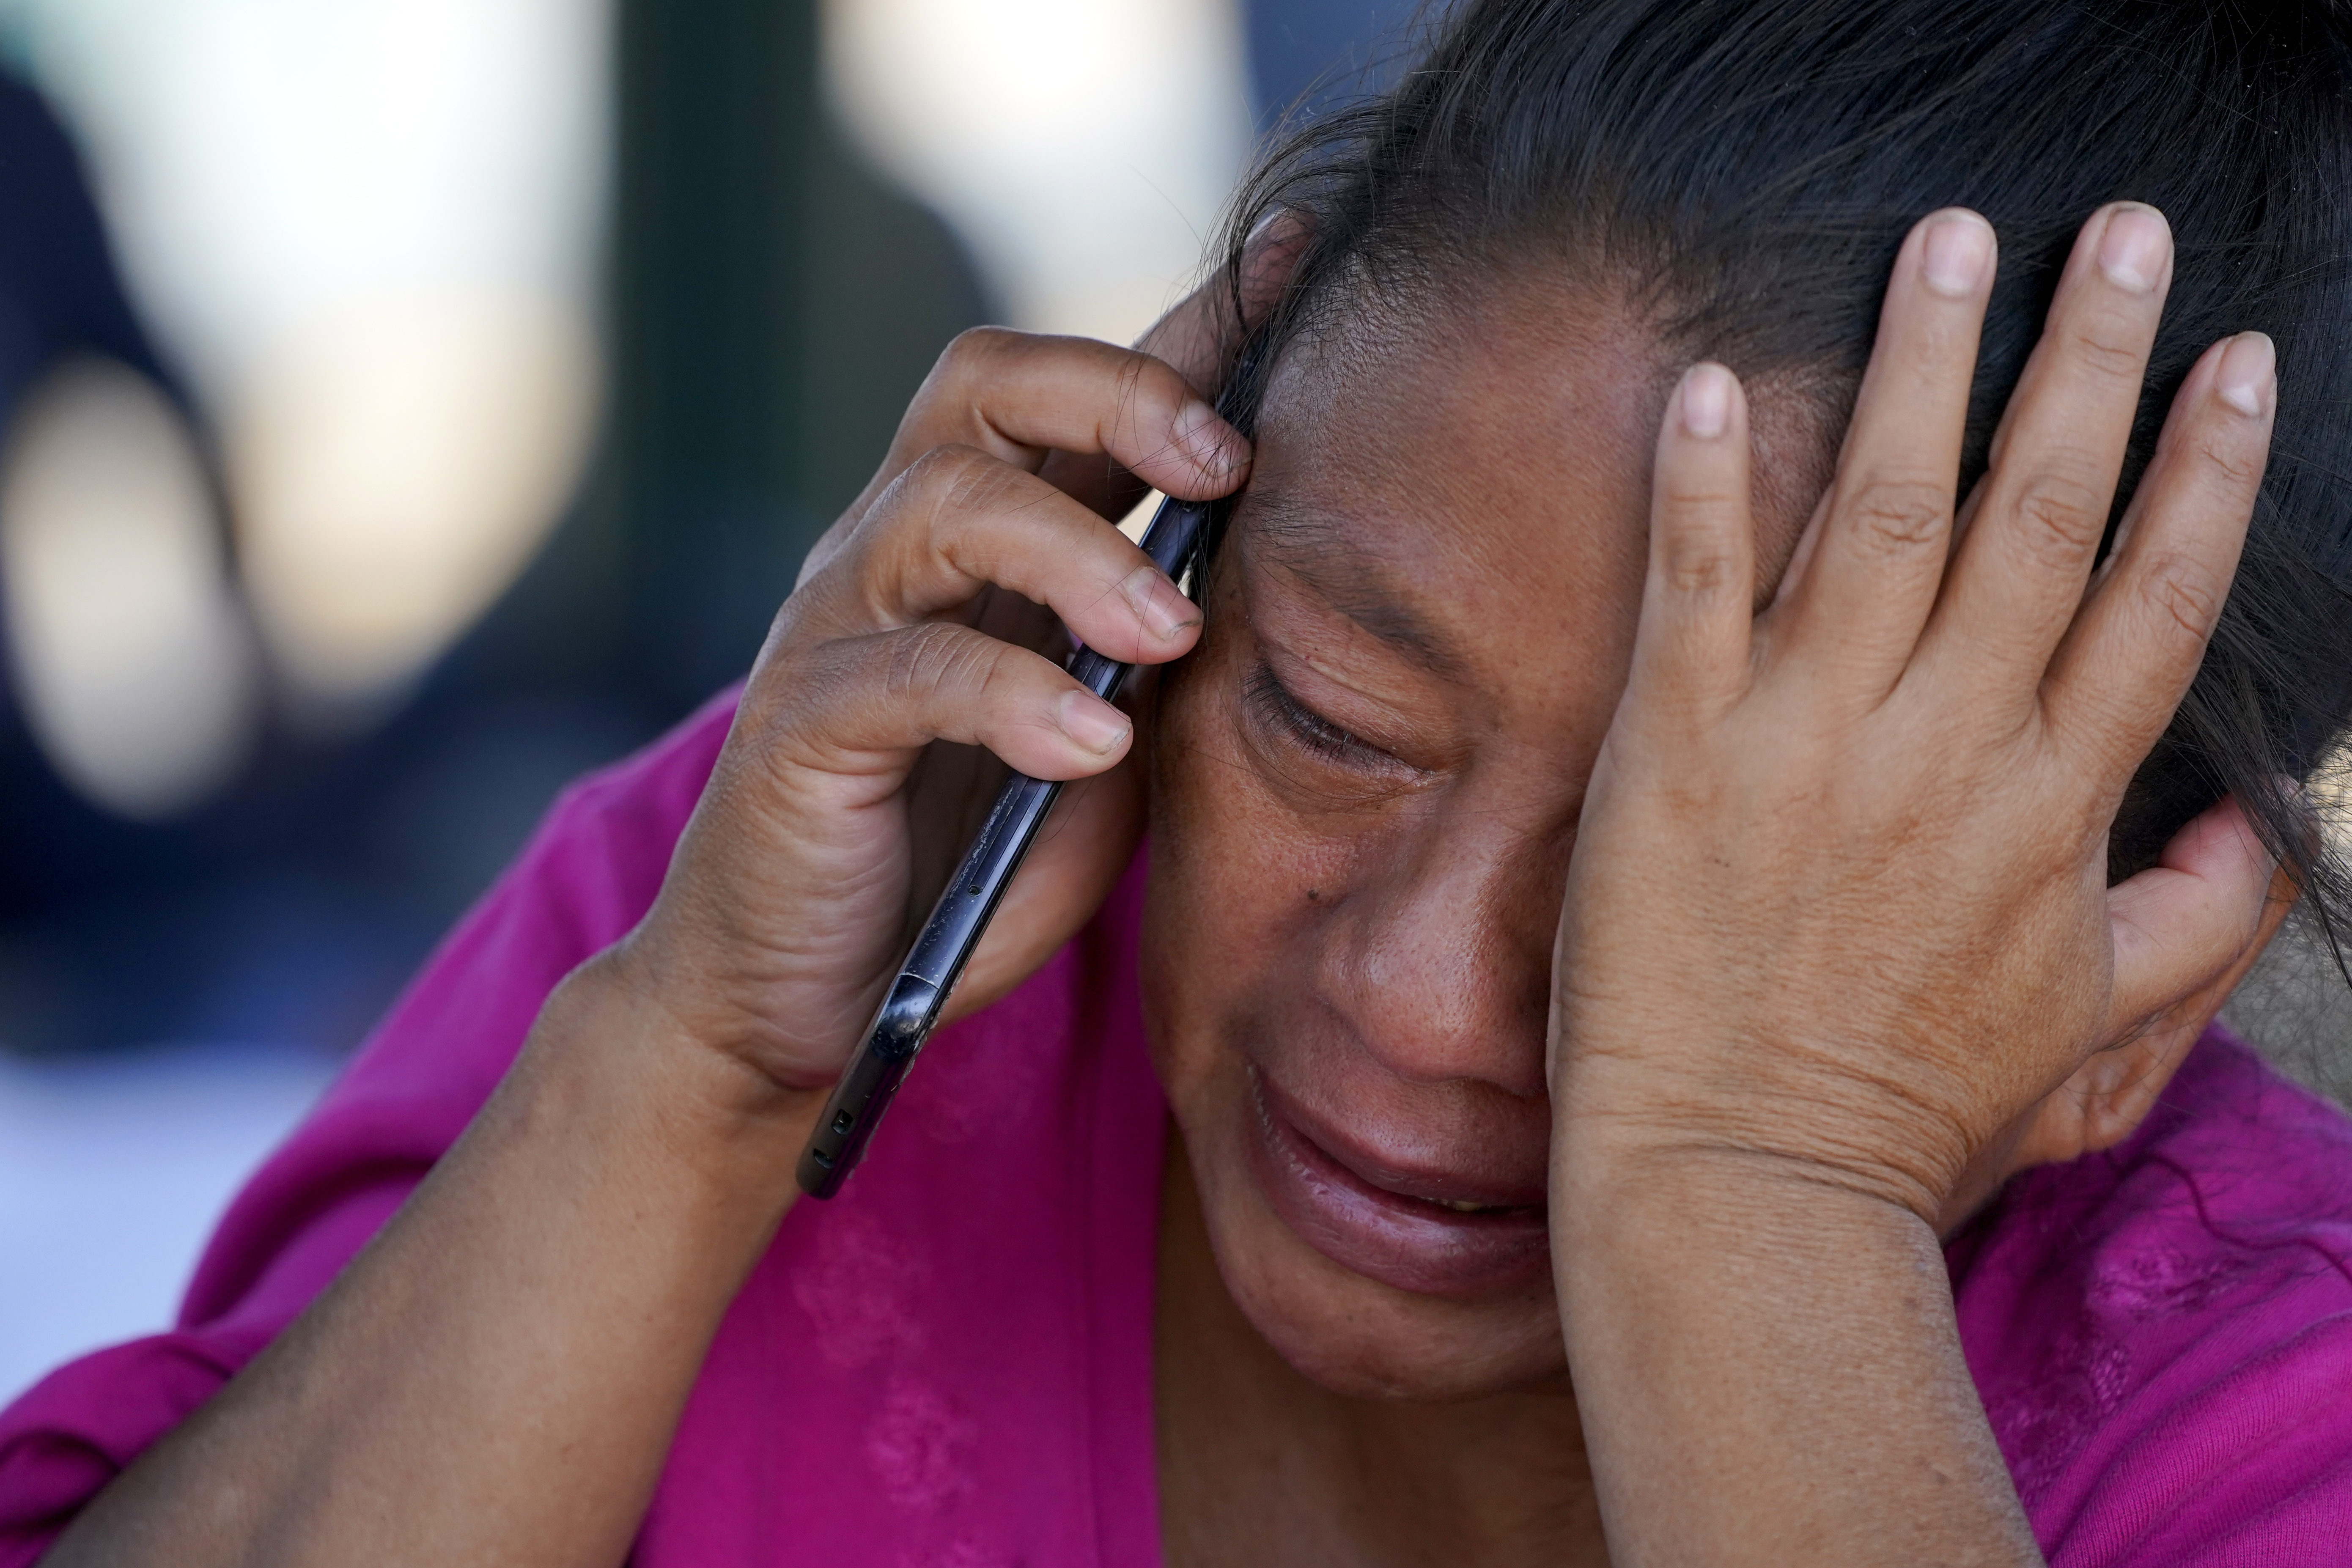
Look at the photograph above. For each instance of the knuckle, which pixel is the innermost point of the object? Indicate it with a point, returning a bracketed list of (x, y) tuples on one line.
[(975, 349), (1700, 568), (1145, 397), (2180, 587), (974, 359), (952, 479), (934, 658), (1899, 514), (2108, 351), (2062, 514), (1693, 496), (1138, 375), (1131, 406), (815, 684), (2238, 467)]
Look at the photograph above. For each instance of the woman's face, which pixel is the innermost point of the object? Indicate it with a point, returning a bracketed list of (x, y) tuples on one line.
[(1367, 783)]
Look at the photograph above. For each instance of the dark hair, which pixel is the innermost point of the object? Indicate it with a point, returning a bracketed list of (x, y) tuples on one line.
[(1745, 170)]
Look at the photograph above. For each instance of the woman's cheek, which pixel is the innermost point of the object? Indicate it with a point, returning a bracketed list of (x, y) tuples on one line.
[(1239, 880)]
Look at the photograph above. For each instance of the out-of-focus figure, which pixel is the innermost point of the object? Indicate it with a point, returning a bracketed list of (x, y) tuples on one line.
[(132, 657), (369, 231), (129, 665)]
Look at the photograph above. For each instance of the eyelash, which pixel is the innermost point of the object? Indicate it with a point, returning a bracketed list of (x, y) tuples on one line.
[(1313, 731)]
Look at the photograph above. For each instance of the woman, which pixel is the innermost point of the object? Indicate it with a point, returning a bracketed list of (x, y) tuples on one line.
[(1680, 931)]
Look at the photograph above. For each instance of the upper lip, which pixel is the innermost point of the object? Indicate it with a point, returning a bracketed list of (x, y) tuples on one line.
[(1404, 1178)]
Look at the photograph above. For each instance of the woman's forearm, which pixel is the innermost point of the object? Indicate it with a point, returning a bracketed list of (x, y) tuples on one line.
[(1769, 1372), (497, 1378)]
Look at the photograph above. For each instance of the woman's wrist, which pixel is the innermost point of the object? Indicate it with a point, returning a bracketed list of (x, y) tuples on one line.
[(1769, 1368), (1796, 1141), (617, 1049), (1649, 1197)]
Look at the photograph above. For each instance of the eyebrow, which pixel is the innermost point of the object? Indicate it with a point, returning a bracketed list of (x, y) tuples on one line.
[(1320, 551)]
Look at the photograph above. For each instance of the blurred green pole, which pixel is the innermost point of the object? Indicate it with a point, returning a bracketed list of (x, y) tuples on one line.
[(717, 105)]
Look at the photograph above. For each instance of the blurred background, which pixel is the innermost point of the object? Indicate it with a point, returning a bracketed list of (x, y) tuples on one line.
[(408, 405)]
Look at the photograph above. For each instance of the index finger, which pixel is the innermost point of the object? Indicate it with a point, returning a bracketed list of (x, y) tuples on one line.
[(1196, 338), (1201, 337), (1019, 395)]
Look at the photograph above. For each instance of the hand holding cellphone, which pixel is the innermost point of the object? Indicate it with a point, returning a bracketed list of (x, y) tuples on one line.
[(912, 1007)]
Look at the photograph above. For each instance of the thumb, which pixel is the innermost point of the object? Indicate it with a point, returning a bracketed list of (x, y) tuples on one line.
[(2188, 919)]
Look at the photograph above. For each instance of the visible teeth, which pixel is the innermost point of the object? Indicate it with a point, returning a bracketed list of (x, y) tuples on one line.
[(1459, 1208)]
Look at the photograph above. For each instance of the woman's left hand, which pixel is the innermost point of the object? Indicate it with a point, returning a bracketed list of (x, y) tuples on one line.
[(1838, 920), (1840, 901)]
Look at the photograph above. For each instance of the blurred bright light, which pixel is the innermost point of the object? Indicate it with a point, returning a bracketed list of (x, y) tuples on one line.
[(397, 468), (131, 659), (1083, 148), (369, 229)]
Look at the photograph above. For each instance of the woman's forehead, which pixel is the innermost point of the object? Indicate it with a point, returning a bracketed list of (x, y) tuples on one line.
[(1511, 428), (1515, 348), (1410, 592), (1418, 475)]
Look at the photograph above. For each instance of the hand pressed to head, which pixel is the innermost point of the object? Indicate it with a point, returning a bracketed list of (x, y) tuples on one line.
[(1438, 920)]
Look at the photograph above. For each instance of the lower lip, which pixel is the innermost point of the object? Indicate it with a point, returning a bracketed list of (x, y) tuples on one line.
[(1402, 1242)]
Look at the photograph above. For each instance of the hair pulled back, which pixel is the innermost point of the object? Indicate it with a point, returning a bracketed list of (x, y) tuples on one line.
[(1743, 171)]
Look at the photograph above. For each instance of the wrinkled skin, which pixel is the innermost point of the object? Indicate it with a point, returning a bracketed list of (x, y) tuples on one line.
[(1362, 923), (1573, 960), (1362, 840)]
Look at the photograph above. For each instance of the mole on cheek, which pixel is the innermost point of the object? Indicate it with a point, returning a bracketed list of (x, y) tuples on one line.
[(1310, 895)]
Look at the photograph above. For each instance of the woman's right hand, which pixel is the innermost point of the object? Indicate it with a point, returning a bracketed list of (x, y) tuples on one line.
[(498, 1376), (792, 891)]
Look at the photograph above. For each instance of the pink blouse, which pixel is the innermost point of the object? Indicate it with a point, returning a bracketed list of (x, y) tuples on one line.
[(951, 1364)]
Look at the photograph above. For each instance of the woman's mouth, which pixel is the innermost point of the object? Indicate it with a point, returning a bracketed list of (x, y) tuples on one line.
[(1428, 1232)]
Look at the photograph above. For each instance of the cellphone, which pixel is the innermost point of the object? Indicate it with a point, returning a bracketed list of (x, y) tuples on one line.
[(910, 1009)]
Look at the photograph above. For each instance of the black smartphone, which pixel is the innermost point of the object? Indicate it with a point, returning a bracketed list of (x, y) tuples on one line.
[(910, 1008)]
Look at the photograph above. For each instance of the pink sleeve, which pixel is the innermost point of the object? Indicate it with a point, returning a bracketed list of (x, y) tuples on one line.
[(587, 875), (2252, 1470)]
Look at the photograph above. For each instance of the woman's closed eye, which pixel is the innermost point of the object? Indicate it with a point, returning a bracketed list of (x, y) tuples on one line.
[(1273, 705), (1276, 710)]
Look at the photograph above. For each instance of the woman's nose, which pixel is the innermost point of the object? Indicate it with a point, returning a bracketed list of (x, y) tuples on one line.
[(1443, 971)]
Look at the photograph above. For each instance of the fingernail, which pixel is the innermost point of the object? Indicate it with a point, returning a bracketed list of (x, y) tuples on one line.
[(2132, 251), (1164, 613), (2248, 374), (1094, 724), (1958, 248), (1706, 401), (1208, 440)]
